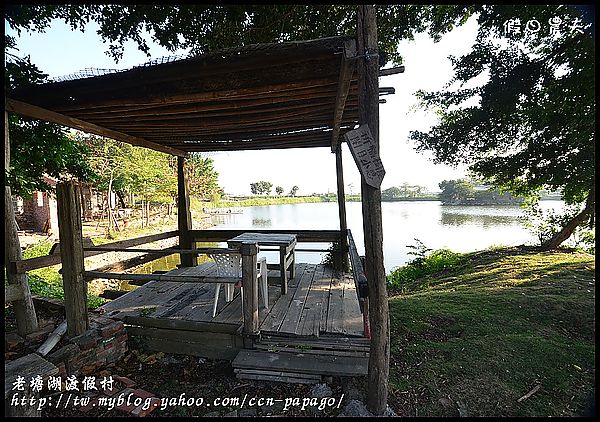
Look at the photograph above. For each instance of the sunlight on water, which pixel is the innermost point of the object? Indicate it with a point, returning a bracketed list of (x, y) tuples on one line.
[(459, 228)]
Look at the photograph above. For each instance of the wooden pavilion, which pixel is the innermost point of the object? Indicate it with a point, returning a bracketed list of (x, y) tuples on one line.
[(268, 96)]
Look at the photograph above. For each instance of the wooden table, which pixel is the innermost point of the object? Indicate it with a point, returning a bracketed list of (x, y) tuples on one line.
[(286, 244)]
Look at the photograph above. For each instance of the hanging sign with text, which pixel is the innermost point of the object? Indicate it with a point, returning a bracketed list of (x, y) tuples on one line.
[(363, 149)]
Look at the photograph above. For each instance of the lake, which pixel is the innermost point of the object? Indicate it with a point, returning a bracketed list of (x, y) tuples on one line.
[(458, 228)]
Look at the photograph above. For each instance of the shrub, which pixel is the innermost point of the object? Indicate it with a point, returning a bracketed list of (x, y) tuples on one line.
[(426, 262)]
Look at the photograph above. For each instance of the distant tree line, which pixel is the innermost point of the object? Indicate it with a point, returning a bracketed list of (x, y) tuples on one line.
[(264, 188), (467, 192), (405, 191)]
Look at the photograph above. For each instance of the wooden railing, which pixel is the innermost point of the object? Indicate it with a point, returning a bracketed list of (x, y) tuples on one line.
[(302, 236), (49, 260), (358, 273), (248, 251)]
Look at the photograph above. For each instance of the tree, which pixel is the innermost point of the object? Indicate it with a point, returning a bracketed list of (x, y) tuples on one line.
[(456, 192), (206, 28), (531, 125), (279, 190), (260, 188), (294, 190), (202, 176), (38, 148)]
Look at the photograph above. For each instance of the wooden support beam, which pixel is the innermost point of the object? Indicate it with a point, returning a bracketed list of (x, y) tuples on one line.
[(29, 110), (249, 253), (341, 199), (24, 310), (12, 293), (379, 356), (71, 252), (346, 71), (184, 215)]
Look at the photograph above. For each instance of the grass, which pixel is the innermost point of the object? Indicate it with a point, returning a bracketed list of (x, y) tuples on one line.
[(47, 281), (486, 332), (257, 201)]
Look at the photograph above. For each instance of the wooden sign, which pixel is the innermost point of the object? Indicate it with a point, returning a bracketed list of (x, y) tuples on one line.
[(363, 149)]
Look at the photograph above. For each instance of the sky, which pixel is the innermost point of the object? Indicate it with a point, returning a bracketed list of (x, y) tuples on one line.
[(59, 51)]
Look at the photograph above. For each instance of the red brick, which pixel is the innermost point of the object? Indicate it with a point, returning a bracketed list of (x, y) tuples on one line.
[(111, 329), (138, 411), (86, 341)]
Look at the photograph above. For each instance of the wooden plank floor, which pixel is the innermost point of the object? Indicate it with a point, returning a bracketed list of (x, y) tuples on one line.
[(318, 302)]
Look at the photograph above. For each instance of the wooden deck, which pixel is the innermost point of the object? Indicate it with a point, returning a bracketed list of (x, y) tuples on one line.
[(319, 316), (318, 302)]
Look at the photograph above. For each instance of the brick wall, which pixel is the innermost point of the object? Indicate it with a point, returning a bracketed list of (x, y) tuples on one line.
[(104, 343)]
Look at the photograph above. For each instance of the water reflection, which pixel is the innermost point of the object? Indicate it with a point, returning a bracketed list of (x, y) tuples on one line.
[(459, 228), (485, 221), (261, 222)]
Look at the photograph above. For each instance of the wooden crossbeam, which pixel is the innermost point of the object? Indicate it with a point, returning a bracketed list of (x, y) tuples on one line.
[(391, 71), (30, 110), (24, 265), (346, 71)]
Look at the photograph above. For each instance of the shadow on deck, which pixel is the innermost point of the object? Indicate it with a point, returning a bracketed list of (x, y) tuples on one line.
[(315, 329)]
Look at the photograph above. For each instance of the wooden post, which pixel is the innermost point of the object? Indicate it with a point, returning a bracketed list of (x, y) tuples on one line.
[(184, 216), (368, 100), (249, 253), (24, 310), (341, 197), (71, 254)]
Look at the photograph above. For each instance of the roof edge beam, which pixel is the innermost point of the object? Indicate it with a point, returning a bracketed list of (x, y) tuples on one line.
[(346, 71), (35, 112)]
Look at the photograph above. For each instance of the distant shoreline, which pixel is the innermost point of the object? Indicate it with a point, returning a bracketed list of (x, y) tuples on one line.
[(265, 201)]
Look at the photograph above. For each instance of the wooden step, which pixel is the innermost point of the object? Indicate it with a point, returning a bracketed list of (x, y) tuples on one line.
[(335, 346), (301, 363)]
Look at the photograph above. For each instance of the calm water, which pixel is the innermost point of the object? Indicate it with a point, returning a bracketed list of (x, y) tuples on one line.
[(458, 228)]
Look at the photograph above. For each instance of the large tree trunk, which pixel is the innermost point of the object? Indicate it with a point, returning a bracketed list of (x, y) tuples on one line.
[(586, 215)]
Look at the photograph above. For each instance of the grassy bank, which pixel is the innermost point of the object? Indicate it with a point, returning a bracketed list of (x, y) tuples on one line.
[(269, 200), (475, 339)]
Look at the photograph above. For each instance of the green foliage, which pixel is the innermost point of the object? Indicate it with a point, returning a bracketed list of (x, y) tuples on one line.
[(544, 225), (47, 281), (148, 174), (37, 249), (38, 148), (335, 259), (404, 191), (425, 262), (531, 123), (279, 190), (261, 188), (294, 190), (207, 28), (202, 177), (463, 192), (258, 201)]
